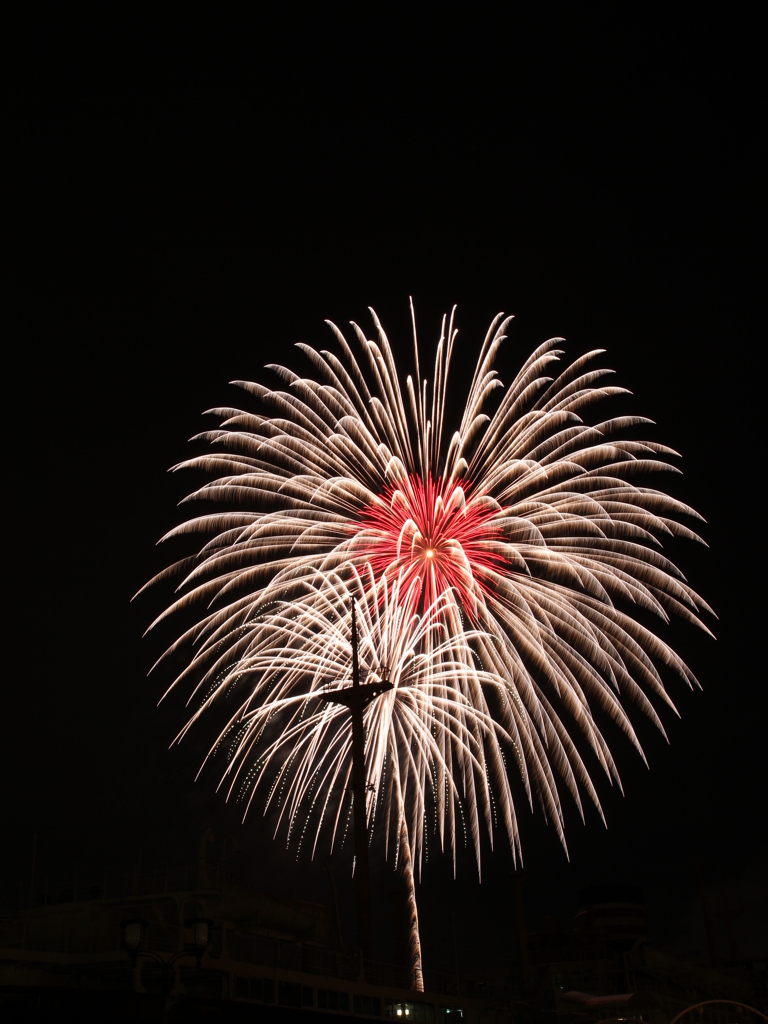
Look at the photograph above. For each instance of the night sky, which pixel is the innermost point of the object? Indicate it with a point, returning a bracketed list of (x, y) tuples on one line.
[(192, 199)]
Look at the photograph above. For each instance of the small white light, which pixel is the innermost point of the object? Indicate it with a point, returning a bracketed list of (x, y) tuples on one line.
[(399, 1012), (430, 552)]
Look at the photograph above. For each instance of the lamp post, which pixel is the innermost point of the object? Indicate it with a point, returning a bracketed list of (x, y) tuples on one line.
[(357, 697), (134, 935)]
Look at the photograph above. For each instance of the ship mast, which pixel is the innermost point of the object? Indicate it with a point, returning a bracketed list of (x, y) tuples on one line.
[(357, 697)]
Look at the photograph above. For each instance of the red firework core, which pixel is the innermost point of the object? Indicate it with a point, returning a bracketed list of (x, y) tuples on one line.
[(437, 536)]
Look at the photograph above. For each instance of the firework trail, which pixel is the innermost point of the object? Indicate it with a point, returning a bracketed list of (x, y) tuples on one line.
[(515, 558)]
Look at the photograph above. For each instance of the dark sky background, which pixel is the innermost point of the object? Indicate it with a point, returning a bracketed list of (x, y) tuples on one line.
[(193, 197)]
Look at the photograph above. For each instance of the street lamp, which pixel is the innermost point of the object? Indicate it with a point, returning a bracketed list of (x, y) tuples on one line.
[(201, 931), (133, 936)]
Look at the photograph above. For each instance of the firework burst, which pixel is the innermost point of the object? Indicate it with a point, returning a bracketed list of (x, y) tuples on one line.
[(501, 569)]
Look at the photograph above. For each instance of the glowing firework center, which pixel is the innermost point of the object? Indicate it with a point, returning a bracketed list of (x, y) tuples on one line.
[(433, 537)]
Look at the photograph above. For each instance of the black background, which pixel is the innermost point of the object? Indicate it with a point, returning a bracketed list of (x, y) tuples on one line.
[(193, 196)]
